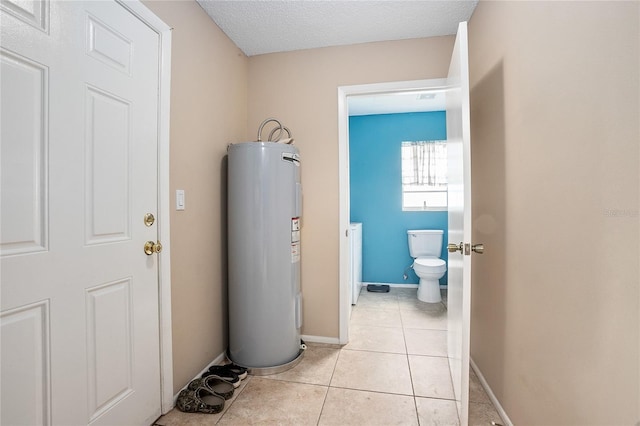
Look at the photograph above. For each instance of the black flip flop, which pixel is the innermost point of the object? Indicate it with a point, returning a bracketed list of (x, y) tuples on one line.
[(240, 371), (223, 373)]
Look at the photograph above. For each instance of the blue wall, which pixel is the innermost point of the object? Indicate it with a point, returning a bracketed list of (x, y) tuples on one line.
[(376, 191)]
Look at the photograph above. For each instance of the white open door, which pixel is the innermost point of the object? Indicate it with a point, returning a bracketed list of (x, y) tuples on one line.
[(459, 181), (79, 313)]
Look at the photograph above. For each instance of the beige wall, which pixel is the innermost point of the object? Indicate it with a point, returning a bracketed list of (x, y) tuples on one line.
[(211, 84), (554, 100), (555, 135), (300, 88), (208, 111)]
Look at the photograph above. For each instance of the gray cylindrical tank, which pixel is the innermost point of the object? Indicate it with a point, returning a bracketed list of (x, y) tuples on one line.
[(264, 210)]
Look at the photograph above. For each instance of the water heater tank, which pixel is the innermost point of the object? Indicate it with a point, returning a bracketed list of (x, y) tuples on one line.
[(264, 221)]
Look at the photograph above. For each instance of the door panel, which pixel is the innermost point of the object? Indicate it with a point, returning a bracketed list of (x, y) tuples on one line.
[(26, 366), (79, 297), (23, 165), (34, 13), (108, 181), (109, 345), (459, 215), (108, 46)]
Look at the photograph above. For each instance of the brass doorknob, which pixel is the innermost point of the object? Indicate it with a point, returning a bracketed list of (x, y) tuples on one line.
[(150, 247), (454, 247), (478, 248)]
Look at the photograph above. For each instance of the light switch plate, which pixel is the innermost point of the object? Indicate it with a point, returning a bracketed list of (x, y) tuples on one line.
[(179, 199)]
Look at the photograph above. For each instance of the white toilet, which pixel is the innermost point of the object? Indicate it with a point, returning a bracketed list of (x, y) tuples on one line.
[(425, 246)]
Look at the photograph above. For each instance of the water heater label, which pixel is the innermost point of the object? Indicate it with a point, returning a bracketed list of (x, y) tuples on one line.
[(295, 239), (295, 229), (295, 252)]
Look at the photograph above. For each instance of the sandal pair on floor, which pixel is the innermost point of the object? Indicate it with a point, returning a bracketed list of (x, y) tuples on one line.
[(205, 395), (208, 393)]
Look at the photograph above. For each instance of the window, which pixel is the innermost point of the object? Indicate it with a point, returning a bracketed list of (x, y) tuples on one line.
[(424, 175)]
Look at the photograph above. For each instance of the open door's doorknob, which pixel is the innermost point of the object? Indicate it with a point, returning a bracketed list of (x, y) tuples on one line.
[(150, 247), (478, 248), (454, 247)]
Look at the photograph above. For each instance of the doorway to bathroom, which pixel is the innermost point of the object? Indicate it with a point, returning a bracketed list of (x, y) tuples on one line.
[(456, 87), (370, 162), (397, 179), (382, 112)]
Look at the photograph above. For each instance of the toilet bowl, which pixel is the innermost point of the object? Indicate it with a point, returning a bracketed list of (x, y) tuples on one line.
[(429, 270), (425, 246)]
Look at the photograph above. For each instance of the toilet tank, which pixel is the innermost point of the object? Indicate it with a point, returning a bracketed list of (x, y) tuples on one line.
[(425, 242)]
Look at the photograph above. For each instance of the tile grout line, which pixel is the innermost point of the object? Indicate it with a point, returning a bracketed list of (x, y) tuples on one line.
[(324, 401), (389, 393), (415, 404), (235, 398), (454, 390), (375, 352)]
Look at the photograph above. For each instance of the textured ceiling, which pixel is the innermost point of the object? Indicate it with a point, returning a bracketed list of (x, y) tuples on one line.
[(268, 26)]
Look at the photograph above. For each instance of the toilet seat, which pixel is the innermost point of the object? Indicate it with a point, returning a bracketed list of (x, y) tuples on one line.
[(429, 261), (430, 264)]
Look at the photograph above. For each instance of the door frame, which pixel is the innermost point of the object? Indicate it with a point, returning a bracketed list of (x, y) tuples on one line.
[(344, 307), (144, 14)]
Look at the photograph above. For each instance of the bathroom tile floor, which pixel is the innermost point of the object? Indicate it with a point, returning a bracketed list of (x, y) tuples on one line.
[(394, 371)]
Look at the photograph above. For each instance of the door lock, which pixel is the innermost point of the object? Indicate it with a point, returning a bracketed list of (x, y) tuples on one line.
[(150, 247), (454, 247), (149, 219), (464, 248), (478, 248)]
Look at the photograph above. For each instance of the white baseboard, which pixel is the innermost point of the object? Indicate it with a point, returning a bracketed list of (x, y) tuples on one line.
[(320, 339), (398, 285), (503, 414), (216, 361)]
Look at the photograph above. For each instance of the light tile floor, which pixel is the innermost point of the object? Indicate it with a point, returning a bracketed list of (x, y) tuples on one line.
[(394, 371)]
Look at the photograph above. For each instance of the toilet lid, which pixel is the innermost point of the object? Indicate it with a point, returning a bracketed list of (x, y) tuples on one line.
[(432, 262)]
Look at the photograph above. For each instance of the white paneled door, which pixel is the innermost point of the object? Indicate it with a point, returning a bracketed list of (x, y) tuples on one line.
[(459, 212), (79, 140)]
